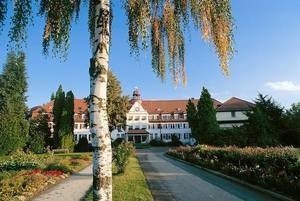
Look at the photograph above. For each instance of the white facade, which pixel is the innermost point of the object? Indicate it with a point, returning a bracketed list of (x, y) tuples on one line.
[(158, 126), (229, 119)]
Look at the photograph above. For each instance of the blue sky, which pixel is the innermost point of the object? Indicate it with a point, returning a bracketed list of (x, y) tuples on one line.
[(266, 60)]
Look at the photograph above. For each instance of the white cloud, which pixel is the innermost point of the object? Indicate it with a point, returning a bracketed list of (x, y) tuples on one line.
[(284, 86)]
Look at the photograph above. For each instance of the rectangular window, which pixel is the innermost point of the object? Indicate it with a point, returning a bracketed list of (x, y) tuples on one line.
[(130, 118), (143, 117), (75, 138), (233, 114), (76, 126), (183, 125), (136, 118), (89, 137), (130, 127)]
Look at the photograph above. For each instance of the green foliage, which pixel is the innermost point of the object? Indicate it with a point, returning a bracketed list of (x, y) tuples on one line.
[(52, 97), (63, 111), (69, 108), (82, 145), (163, 25), (13, 87), (192, 118), (265, 122), (158, 143), (117, 104), (58, 107), (58, 166), (274, 168), (39, 133), (121, 155), (175, 141), (236, 136), (66, 141), (20, 161), (207, 120), (291, 131), (58, 16), (20, 20)]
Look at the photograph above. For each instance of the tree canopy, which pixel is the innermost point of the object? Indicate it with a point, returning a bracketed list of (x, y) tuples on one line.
[(158, 24), (13, 88)]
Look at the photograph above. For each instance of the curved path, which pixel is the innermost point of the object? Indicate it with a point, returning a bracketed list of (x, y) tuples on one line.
[(70, 189), (172, 180)]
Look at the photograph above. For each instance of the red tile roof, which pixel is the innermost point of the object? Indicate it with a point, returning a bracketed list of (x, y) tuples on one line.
[(169, 106), (235, 104), (80, 106)]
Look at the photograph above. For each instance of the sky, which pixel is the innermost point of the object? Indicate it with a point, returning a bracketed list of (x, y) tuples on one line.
[(266, 58)]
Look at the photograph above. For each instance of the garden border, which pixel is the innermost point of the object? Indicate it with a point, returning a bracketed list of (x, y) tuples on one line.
[(258, 188)]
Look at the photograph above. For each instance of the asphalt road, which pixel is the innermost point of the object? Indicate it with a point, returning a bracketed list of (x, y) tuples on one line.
[(169, 179)]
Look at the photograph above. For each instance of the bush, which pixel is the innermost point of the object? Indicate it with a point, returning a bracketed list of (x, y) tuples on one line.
[(158, 143), (20, 161), (121, 155), (273, 168), (117, 142), (67, 142), (175, 141), (83, 145), (58, 166)]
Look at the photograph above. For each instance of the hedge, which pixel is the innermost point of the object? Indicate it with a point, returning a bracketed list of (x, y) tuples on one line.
[(274, 168)]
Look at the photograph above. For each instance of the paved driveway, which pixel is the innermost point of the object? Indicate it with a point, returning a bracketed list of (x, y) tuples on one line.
[(172, 180)]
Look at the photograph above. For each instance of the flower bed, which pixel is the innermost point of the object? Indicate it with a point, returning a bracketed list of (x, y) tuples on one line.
[(274, 168), (23, 175)]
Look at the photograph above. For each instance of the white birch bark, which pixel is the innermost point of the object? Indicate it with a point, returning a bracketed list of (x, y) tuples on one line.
[(101, 142)]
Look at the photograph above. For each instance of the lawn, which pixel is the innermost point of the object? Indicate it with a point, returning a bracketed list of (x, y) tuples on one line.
[(24, 175), (130, 186)]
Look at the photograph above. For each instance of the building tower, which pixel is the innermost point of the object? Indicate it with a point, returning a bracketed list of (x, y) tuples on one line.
[(136, 95)]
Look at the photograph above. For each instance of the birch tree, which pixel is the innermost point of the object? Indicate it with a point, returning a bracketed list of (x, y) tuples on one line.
[(157, 24)]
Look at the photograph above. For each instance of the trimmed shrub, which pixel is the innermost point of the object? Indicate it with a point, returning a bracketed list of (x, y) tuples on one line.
[(83, 145), (121, 155), (175, 141), (58, 166), (275, 168), (158, 143)]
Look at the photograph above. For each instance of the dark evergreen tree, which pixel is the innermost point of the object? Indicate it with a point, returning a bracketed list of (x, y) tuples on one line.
[(52, 97), (265, 122), (39, 133), (192, 118), (13, 87), (291, 132), (66, 123), (83, 145), (207, 121), (69, 107), (58, 107)]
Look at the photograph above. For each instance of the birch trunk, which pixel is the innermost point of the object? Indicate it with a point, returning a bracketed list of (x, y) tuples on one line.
[(101, 142)]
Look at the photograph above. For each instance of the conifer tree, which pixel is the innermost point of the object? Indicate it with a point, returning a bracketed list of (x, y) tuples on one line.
[(52, 97), (58, 107), (13, 87), (192, 118), (66, 124), (69, 107), (207, 120)]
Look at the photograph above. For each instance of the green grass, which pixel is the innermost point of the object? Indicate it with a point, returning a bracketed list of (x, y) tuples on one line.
[(130, 186)]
